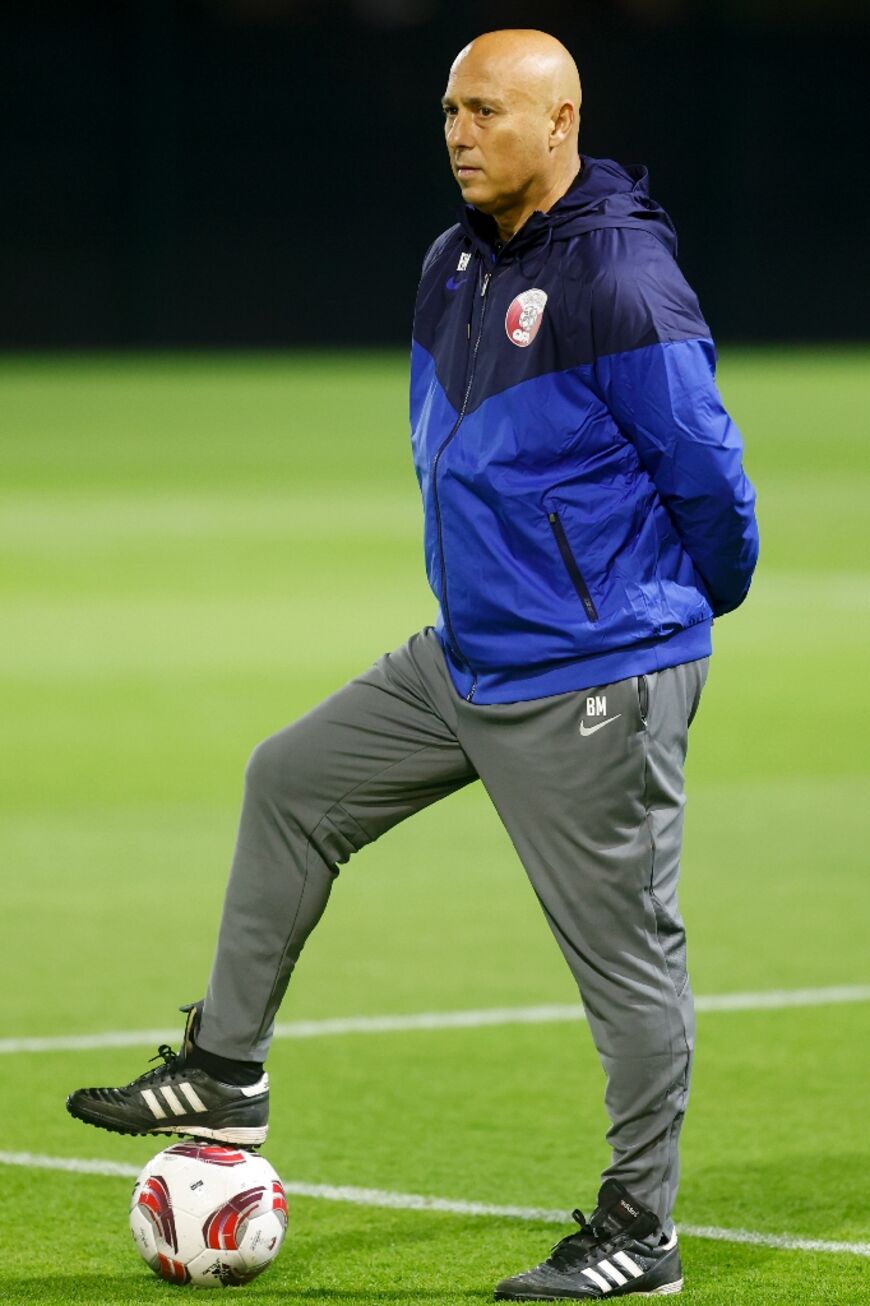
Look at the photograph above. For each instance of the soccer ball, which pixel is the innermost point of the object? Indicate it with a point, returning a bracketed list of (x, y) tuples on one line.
[(207, 1215)]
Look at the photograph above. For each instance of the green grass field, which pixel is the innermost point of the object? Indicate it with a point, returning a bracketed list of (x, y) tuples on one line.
[(196, 550)]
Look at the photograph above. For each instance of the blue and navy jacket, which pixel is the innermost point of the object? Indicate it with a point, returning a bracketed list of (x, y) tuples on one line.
[(586, 510)]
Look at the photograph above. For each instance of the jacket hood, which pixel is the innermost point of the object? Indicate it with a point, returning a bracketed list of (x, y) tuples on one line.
[(604, 194)]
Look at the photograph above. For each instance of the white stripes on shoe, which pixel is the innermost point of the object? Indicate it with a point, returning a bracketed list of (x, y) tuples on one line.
[(193, 1097), (606, 1276), (628, 1264), (194, 1100), (171, 1100), (151, 1100), (612, 1272)]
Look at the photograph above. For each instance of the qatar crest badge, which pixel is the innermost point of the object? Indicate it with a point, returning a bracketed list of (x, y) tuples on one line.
[(523, 319)]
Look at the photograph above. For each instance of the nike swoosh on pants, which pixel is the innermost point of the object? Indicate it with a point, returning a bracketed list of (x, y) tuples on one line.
[(590, 730)]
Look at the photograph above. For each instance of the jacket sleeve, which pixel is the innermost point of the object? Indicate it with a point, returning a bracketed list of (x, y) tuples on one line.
[(659, 384)]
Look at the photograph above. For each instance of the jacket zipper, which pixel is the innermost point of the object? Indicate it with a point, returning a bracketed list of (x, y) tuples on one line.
[(570, 562), (487, 277)]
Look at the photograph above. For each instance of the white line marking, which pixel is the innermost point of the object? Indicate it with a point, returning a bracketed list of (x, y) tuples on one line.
[(416, 1202), (774, 1000), (73, 1163)]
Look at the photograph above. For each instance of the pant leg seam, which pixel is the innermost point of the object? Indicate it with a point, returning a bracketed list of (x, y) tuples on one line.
[(685, 1054), (289, 939), (650, 885), (350, 816), (339, 802)]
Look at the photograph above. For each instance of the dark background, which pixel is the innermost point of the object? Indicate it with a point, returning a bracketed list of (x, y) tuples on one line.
[(222, 172)]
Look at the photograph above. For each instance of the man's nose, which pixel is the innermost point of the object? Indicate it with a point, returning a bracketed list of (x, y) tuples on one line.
[(459, 131)]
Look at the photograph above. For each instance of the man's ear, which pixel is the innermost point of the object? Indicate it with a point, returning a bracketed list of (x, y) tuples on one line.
[(562, 121)]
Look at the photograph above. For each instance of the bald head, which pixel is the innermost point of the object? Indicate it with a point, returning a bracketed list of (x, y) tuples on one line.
[(512, 108), (533, 64)]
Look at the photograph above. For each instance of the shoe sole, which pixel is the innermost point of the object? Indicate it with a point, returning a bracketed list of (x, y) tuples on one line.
[(664, 1291), (239, 1136)]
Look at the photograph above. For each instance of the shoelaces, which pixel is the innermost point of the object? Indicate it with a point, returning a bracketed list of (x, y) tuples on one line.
[(169, 1059), (576, 1246)]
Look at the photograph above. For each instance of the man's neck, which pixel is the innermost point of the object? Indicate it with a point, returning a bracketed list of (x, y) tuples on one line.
[(508, 224)]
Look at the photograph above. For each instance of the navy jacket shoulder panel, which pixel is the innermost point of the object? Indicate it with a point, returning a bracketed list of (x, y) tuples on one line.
[(638, 295)]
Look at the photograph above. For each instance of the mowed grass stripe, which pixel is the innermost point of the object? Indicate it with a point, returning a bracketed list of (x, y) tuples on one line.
[(556, 1013), (418, 1202)]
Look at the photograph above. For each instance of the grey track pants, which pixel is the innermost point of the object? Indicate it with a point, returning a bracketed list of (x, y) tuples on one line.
[(589, 786)]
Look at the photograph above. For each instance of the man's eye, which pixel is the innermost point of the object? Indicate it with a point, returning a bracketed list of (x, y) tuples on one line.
[(448, 110), (485, 111)]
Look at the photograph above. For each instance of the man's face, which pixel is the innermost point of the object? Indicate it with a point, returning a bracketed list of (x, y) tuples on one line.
[(497, 132)]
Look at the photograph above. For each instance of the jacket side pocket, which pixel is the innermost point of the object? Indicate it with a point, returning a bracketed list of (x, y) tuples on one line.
[(643, 698), (571, 565)]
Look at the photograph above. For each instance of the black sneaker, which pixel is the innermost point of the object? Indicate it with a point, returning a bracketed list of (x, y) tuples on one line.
[(608, 1257), (177, 1098)]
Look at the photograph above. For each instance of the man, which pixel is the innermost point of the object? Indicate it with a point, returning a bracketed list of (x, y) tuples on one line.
[(586, 517)]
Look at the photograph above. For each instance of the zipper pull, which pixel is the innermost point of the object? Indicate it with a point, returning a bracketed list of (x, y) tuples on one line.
[(487, 277)]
